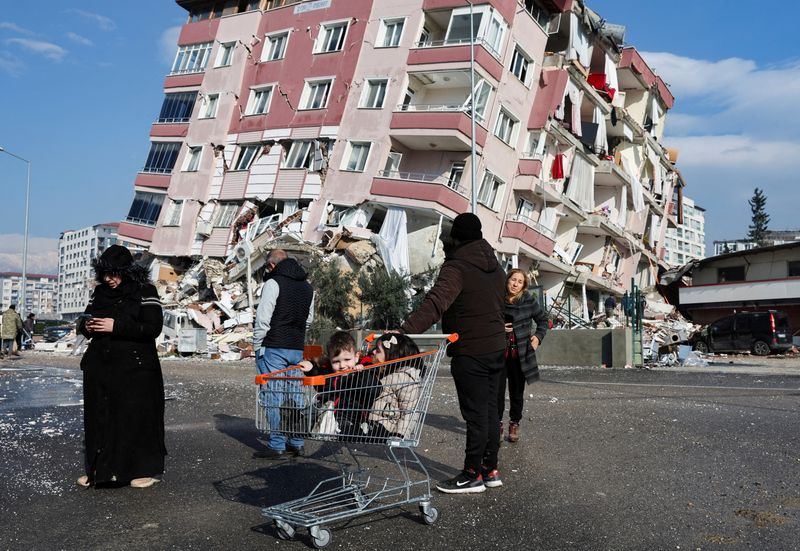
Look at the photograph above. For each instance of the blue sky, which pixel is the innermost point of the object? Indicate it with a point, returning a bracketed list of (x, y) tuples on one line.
[(82, 83)]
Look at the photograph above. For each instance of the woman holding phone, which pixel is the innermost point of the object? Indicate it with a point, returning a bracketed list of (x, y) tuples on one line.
[(522, 312), (123, 390)]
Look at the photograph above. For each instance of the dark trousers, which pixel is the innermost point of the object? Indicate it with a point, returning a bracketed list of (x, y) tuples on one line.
[(516, 390), (476, 379)]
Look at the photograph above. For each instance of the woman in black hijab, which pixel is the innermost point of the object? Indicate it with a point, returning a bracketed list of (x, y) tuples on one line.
[(123, 390)]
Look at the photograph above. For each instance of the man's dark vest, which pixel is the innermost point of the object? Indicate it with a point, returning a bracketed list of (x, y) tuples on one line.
[(287, 328)]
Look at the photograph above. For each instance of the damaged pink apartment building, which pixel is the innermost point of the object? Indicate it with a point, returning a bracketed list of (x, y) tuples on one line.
[(359, 114)]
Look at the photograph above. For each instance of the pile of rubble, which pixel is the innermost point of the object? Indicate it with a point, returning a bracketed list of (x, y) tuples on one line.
[(666, 333)]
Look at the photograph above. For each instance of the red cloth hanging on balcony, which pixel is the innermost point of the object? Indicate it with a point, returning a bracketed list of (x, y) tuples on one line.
[(557, 170)]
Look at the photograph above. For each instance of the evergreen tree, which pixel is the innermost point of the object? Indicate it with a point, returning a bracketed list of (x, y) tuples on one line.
[(760, 217)]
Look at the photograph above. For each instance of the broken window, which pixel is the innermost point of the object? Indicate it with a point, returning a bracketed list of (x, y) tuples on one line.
[(224, 215), (247, 154), (521, 66), (300, 155), (456, 173)]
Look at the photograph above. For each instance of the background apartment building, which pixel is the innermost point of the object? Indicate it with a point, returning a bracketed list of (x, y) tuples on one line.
[(688, 241), (40, 293), (76, 250), (771, 238), (361, 115)]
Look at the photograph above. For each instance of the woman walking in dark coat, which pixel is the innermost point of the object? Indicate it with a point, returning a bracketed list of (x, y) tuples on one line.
[(521, 365), (123, 390)]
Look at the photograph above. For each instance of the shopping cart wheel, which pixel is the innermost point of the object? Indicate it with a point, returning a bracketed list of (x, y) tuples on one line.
[(320, 537), (285, 531), (429, 514)]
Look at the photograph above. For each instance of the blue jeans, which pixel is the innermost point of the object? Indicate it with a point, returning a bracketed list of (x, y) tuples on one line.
[(275, 393)]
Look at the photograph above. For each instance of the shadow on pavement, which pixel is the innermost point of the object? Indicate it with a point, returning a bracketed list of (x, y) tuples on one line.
[(238, 428)]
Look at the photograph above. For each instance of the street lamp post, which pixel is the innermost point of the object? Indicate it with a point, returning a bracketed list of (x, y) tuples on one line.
[(25, 238)]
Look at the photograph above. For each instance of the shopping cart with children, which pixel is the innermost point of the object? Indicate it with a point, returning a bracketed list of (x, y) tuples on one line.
[(382, 405)]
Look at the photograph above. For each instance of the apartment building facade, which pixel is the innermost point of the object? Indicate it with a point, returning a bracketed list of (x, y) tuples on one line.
[(688, 241), (771, 238), (40, 293), (363, 115), (76, 250)]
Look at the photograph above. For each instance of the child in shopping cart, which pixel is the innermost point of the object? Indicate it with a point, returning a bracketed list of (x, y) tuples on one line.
[(392, 413), (349, 395)]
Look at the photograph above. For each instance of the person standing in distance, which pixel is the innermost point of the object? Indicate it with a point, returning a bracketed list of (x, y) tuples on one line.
[(469, 297), (279, 334)]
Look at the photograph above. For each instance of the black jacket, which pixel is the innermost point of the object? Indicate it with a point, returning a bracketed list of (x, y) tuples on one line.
[(123, 389), (468, 297)]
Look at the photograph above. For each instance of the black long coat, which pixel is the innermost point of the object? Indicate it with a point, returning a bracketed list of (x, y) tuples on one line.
[(527, 313), (123, 389)]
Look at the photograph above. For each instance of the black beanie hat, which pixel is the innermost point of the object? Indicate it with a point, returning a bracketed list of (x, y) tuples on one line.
[(466, 227), (116, 258)]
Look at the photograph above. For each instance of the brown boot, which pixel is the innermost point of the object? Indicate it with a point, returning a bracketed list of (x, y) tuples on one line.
[(513, 431)]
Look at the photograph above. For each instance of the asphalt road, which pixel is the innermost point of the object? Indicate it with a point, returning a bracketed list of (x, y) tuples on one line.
[(610, 459)]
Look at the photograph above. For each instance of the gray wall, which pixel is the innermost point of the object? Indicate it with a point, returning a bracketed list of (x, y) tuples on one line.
[(586, 347)]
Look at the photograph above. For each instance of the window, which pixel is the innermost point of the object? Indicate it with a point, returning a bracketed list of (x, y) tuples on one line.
[(224, 54), (247, 154), (208, 109), (258, 104), (192, 160), (275, 47), (331, 37), (731, 273), (456, 173), (357, 160), (161, 158), (505, 127), (374, 93), (315, 95), (173, 217), (794, 268), (145, 208), (407, 99), (177, 107), (392, 30), (482, 91), (225, 214), (299, 155), (525, 209), (392, 163), (490, 190), (520, 66), (191, 59)]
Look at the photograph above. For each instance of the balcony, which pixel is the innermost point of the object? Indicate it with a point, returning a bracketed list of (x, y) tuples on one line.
[(533, 234), (417, 186), (444, 127), (505, 7), (608, 173), (457, 51), (633, 71), (600, 225)]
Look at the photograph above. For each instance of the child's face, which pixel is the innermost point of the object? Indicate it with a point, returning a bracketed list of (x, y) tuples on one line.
[(380, 353), (346, 359)]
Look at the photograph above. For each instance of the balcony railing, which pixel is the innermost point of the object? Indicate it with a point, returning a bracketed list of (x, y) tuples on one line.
[(439, 108), (458, 42), (422, 177), (547, 232), (140, 221)]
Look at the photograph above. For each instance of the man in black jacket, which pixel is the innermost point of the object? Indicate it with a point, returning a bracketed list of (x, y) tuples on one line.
[(468, 297), (279, 334)]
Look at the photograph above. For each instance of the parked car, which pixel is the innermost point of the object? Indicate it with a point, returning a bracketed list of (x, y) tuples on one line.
[(762, 333), (56, 332)]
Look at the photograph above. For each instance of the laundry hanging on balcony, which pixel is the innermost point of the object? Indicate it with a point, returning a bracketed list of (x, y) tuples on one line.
[(581, 183), (637, 193), (600, 139), (557, 170), (622, 215), (578, 42), (392, 241)]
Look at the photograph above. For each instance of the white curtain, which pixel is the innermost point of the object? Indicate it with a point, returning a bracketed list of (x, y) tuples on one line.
[(655, 221), (578, 42), (392, 241), (576, 97), (601, 139), (581, 183), (611, 73), (622, 216), (637, 193), (549, 218)]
